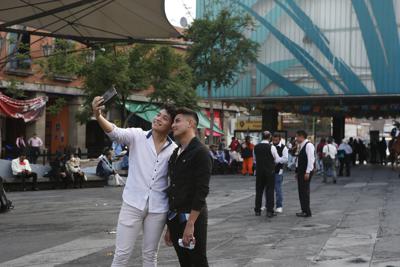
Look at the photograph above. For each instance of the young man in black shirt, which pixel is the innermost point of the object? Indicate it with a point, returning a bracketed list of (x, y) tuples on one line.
[(189, 172)]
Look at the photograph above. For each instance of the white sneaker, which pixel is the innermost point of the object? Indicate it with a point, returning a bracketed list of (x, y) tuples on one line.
[(263, 208), (279, 210)]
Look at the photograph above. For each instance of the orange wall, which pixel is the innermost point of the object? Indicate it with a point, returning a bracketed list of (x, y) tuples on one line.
[(36, 54)]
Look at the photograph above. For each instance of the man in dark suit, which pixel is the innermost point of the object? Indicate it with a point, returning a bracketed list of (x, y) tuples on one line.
[(265, 156), (304, 172)]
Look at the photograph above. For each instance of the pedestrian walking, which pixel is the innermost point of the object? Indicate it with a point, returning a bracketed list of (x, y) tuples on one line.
[(345, 151), (320, 164), (283, 154), (329, 153), (382, 151), (189, 172), (145, 202), (304, 172)]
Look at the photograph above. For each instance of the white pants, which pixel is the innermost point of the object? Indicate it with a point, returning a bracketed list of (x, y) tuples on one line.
[(130, 223)]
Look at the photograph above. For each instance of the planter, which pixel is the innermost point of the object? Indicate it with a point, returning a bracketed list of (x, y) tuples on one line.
[(64, 78), (19, 72)]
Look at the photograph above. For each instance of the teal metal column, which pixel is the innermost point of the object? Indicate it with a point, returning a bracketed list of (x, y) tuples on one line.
[(270, 120), (338, 123)]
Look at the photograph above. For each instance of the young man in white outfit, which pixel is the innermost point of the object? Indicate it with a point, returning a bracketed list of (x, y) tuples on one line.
[(145, 202)]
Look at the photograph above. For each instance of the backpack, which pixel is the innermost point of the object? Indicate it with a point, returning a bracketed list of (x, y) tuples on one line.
[(5, 204), (326, 159), (341, 154)]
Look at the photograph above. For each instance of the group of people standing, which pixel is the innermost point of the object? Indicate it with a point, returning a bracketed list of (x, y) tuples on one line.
[(329, 154), (31, 148), (270, 157)]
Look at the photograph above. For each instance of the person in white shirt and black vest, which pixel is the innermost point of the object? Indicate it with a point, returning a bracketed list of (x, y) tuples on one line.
[(304, 172), (189, 172), (265, 156)]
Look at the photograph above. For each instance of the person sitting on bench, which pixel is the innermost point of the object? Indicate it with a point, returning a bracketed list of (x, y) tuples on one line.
[(21, 169)]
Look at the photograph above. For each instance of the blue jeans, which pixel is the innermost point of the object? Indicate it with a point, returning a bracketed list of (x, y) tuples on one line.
[(278, 190)]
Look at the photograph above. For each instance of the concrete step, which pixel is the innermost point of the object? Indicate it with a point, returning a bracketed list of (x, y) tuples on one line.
[(11, 184)]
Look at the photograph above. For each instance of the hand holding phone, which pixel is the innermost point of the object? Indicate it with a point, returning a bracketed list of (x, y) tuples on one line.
[(191, 244), (109, 95)]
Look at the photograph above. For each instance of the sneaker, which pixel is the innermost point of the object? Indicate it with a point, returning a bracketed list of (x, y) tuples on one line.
[(263, 208), (279, 210)]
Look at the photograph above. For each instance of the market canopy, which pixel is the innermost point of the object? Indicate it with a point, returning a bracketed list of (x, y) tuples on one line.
[(148, 111), (89, 21)]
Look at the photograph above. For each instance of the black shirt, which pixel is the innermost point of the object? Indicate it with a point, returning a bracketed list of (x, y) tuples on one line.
[(189, 175)]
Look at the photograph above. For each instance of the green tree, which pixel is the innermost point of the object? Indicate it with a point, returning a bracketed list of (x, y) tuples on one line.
[(220, 51), (64, 61), (136, 68), (110, 68), (12, 89), (57, 106), (172, 79)]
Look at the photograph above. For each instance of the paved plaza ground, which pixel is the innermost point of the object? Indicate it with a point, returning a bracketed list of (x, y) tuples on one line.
[(355, 223)]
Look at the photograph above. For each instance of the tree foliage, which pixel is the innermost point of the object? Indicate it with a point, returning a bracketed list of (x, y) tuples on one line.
[(138, 68), (13, 90), (172, 79), (57, 106), (220, 50), (63, 60)]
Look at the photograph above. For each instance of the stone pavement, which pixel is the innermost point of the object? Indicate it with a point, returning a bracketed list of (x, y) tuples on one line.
[(355, 223)]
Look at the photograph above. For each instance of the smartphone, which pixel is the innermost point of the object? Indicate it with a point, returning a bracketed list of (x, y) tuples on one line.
[(109, 95), (190, 247)]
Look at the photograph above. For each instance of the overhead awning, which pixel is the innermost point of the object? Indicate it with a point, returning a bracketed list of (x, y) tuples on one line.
[(28, 110), (89, 21), (149, 111)]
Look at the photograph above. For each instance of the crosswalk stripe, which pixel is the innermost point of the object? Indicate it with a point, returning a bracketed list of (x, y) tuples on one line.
[(64, 253)]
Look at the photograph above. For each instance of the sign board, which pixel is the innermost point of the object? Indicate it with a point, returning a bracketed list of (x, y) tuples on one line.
[(249, 125)]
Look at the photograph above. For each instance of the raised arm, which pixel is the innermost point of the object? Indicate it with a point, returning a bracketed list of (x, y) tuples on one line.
[(97, 107), (122, 136)]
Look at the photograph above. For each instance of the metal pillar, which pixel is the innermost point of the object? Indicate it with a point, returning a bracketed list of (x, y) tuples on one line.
[(270, 120), (338, 124)]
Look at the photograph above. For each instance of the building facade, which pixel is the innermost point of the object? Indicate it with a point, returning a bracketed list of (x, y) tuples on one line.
[(20, 55), (335, 58)]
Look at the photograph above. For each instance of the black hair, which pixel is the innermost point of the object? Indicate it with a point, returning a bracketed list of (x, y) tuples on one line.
[(23, 153), (170, 109), (188, 112), (277, 135), (107, 151), (302, 133)]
